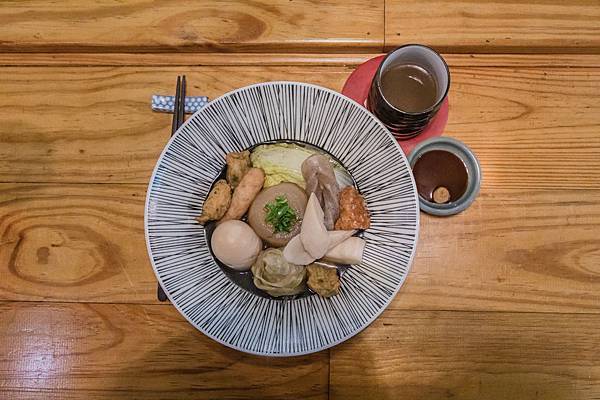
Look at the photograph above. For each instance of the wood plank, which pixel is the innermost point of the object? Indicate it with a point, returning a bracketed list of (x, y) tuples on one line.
[(189, 59), (523, 60), (434, 355), (285, 59), (511, 251), (58, 351), (492, 26), (95, 124), (74, 243), (531, 127), (179, 26)]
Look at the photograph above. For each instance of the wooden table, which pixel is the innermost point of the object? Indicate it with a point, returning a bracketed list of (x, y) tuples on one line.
[(503, 300)]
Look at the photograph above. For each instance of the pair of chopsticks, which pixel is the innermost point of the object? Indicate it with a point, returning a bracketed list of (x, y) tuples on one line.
[(178, 120), (179, 110)]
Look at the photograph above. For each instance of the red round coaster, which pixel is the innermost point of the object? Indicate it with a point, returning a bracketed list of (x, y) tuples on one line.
[(357, 88)]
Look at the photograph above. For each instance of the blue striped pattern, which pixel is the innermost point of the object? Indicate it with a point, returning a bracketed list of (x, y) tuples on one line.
[(194, 157)]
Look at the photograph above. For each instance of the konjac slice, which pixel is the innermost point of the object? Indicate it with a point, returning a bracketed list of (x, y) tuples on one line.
[(313, 233), (337, 237), (295, 253), (350, 251)]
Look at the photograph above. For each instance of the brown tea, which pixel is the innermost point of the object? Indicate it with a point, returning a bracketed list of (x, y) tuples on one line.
[(409, 88)]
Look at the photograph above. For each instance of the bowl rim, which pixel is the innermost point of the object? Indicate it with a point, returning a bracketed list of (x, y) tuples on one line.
[(207, 107)]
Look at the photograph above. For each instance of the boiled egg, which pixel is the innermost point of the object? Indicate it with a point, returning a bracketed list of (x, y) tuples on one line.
[(235, 244)]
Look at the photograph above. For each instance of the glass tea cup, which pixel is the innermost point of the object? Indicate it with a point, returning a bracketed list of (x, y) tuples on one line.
[(408, 89)]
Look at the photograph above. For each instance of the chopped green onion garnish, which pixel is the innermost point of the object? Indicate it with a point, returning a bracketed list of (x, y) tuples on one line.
[(280, 215)]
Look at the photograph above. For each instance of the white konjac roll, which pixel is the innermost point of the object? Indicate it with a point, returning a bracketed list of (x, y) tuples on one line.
[(294, 252), (235, 244), (337, 237), (313, 233), (350, 251)]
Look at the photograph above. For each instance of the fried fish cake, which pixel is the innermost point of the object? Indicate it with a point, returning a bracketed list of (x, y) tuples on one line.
[(323, 280), (237, 166), (353, 211), (216, 203)]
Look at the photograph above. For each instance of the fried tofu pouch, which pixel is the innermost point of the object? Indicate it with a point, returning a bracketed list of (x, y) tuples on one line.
[(216, 203), (237, 166)]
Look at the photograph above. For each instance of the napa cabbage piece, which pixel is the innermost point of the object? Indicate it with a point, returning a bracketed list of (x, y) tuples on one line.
[(282, 162), (273, 274)]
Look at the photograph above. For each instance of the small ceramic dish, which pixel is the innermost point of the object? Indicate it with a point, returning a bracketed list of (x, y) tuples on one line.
[(464, 153)]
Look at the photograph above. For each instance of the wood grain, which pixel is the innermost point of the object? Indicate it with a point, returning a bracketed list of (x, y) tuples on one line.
[(74, 243), (491, 26), (301, 25), (445, 355), (78, 143), (58, 351), (92, 125), (285, 59), (511, 251), (191, 59), (531, 127), (180, 26)]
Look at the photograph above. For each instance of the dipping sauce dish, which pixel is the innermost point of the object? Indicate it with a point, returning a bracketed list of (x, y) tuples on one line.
[(448, 175)]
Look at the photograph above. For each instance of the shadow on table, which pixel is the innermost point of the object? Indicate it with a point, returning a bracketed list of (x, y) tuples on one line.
[(446, 355), (187, 364)]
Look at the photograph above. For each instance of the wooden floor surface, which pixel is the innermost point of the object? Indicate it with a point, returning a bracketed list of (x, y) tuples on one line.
[(502, 302)]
